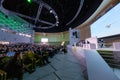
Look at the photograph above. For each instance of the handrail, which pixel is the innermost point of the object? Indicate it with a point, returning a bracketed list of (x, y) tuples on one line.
[(97, 68)]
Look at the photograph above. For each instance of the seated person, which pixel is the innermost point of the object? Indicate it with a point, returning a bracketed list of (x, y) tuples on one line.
[(15, 66), (29, 58), (45, 56), (10, 53)]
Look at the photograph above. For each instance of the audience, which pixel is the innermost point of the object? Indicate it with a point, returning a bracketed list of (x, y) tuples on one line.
[(15, 66)]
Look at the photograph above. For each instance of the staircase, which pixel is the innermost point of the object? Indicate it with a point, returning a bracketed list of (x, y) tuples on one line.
[(109, 58)]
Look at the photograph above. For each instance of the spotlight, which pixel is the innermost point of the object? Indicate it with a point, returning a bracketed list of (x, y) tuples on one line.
[(57, 21), (56, 24), (56, 16), (29, 1), (51, 11)]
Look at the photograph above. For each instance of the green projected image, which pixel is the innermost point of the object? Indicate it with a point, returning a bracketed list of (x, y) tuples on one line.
[(37, 38), (56, 39)]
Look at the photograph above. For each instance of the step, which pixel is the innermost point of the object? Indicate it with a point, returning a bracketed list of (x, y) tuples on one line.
[(114, 65)]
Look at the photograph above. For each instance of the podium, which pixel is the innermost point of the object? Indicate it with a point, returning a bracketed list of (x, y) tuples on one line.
[(116, 45), (89, 46)]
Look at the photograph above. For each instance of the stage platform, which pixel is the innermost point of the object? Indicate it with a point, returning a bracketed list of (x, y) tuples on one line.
[(92, 64), (110, 49)]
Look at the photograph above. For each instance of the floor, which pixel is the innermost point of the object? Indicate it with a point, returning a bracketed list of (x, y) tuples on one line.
[(117, 72), (62, 67)]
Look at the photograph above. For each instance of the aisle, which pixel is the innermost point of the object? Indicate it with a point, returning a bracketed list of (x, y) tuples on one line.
[(62, 67)]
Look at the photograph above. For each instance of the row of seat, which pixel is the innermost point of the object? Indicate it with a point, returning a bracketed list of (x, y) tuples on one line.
[(29, 60), (108, 56)]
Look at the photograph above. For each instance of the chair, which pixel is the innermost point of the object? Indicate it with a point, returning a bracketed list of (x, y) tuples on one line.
[(29, 60), (3, 75)]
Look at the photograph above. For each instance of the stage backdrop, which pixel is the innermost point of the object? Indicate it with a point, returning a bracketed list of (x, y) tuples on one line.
[(53, 38)]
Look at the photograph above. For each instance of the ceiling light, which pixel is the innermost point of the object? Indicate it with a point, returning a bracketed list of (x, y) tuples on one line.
[(29, 1), (56, 16), (57, 21), (56, 24), (51, 11)]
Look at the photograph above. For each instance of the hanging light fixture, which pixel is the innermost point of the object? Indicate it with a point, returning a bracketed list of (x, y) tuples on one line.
[(29, 1)]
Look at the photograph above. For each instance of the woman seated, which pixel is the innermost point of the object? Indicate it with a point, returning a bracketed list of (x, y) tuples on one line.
[(15, 67)]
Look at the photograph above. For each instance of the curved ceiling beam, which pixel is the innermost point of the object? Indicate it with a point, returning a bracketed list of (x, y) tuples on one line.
[(21, 15), (105, 5), (79, 9), (52, 11), (39, 12), (45, 22), (41, 5)]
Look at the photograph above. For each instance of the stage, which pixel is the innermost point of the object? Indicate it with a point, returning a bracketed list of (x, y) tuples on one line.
[(92, 64)]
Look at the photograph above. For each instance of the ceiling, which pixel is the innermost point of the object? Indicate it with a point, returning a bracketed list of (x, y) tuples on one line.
[(53, 15)]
